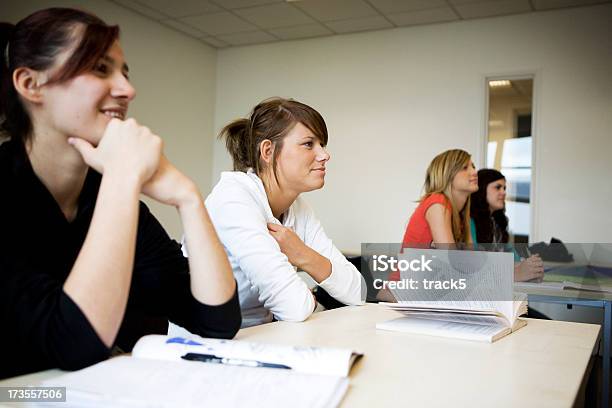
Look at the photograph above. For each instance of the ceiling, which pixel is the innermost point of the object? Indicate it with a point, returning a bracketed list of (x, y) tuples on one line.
[(226, 23)]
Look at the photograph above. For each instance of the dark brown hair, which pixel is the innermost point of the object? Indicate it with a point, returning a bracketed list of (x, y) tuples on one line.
[(480, 209), (35, 43), (271, 119)]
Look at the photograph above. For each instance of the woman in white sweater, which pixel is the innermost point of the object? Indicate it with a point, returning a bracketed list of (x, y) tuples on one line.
[(268, 231)]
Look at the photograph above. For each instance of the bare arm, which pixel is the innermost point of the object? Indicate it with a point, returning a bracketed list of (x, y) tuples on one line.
[(99, 281), (212, 281), (440, 224)]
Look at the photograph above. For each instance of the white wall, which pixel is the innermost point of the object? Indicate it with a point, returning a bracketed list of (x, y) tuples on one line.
[(393, 99), (174, 77)]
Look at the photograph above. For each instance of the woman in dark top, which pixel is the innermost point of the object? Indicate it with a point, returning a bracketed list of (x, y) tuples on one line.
[(84, 266), (489, 223)]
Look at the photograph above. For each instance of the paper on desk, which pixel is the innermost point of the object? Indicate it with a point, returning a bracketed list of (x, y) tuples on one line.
[(304, 359), (135, 382)]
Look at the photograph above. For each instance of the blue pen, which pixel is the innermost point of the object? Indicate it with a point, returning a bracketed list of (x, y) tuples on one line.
[(211, 358)]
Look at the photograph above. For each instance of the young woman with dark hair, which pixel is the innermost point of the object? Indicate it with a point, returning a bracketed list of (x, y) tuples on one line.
[(267, 229), (489, 223), (84, 266)]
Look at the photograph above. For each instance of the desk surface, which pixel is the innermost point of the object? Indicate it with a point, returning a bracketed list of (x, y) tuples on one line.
[(541, 365), (542, 290)]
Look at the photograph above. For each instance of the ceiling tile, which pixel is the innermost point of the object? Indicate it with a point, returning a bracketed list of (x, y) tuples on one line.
[(360, 24), (182, 8), (400, 6), (551, 4), (139, 8), (236, 4), (274, 15), (215, 42), (326, 10), (184, 28), (493, 8), (219, 23), (303, 31), (437, 15), (253, 37)]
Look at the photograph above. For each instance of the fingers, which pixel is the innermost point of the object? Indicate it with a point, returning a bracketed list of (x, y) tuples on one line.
[(275, 227), (537, 273), (130, 148), (87, 151)]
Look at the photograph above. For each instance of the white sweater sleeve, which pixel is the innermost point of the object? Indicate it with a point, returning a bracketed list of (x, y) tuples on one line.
[(242, 228), (345, 283)]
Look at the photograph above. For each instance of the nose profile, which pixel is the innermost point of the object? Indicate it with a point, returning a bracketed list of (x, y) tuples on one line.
[(122, 88), (323, 155)]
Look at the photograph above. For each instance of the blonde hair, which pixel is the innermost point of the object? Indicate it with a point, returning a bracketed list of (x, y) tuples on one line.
[(439, 179)]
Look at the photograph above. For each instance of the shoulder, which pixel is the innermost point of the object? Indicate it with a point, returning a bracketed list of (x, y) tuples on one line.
[(233, 185), (435, 198), (237, 199)]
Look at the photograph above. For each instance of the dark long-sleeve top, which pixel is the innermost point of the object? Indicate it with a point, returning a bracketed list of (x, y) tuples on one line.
[(41, 326)]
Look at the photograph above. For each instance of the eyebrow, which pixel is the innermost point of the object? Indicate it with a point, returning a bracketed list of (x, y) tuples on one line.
[(112, 61)]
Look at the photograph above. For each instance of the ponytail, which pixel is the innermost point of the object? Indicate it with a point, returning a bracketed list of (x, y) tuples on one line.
[(237, 142)]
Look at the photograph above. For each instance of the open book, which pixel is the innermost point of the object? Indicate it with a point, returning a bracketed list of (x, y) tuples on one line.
[(479, 321), (483, 308), (168, 371)]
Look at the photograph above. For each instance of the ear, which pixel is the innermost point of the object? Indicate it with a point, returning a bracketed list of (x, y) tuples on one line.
[(266, 151), (28, 84)]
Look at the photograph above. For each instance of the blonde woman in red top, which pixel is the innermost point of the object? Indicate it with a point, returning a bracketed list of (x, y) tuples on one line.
[(443, 215), (442, 218)]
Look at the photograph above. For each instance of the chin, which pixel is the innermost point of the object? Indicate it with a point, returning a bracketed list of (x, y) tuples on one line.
[(314, 186)]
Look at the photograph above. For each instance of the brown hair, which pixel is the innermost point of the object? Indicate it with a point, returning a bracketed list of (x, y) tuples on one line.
[(271, 119), (439, 179), (35, 43)]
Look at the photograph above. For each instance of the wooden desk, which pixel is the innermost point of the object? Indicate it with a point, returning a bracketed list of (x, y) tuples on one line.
[(601, 300), (541, 365)]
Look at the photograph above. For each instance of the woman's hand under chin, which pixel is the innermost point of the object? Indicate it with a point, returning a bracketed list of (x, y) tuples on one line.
[(127, 151)]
